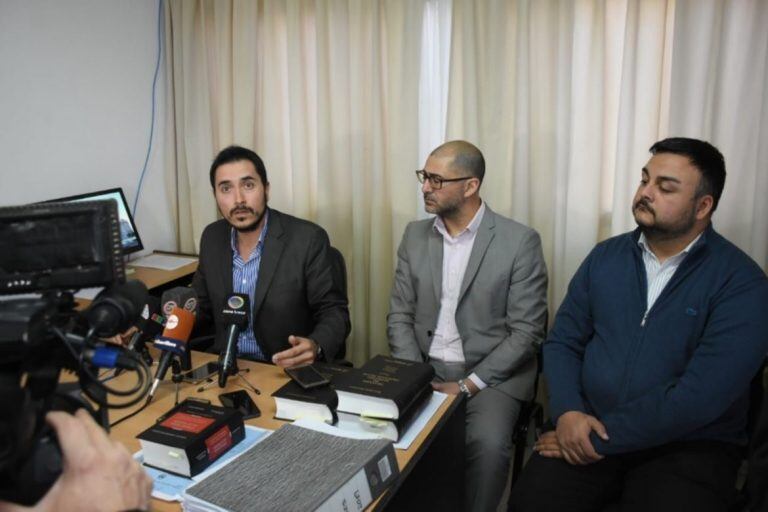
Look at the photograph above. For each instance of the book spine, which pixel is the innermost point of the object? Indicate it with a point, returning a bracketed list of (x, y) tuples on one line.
[(366, 485)]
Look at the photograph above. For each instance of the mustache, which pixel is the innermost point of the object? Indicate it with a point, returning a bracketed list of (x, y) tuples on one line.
[(241, 209), (644, 204)]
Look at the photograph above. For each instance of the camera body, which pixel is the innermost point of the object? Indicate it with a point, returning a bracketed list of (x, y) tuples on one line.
[(51, 250)]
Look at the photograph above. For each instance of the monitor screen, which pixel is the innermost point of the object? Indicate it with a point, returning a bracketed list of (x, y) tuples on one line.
[(129, 235)]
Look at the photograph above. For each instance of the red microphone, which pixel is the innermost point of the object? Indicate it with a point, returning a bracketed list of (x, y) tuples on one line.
[(173, 342)]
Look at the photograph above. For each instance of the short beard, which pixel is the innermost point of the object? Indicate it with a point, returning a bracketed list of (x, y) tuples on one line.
[(661, 233), (253, 226)]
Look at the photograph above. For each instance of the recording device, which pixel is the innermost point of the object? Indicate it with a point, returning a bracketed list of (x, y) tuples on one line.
[(52, 250), (201, 373), (235, 316), (307, 376), (173, 342), (241, 401)]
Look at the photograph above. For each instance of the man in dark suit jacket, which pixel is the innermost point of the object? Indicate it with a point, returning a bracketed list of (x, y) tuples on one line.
[(298, 313)]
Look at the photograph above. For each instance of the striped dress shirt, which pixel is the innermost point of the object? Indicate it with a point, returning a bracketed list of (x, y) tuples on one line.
[(245, 275)]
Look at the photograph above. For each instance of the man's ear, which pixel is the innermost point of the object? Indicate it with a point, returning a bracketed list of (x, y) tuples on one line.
[(471, 187), (704, 206)]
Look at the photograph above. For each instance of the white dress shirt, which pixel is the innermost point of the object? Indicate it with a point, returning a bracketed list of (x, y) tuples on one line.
[(446, 343), (658, 274)]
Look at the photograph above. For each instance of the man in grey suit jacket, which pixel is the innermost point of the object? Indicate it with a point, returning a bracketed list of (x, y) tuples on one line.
[(470, 297)]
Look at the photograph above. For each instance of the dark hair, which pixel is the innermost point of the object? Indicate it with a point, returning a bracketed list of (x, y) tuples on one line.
[(236, 154), (705, 157), (466, 156)]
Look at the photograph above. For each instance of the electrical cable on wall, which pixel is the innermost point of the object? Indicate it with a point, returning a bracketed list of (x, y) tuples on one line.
[(154, 87)]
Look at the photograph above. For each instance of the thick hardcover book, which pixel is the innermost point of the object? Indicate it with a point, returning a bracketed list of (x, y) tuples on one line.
[(384, 428), (384, 387), (189, 437), (297, 469), (293, 402)]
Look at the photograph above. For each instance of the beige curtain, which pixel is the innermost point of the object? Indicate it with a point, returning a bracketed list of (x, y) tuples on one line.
[(327, 93), (344, 98), (560, 95)]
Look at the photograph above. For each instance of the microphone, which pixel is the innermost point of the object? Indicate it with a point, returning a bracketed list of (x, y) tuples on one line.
[(235, 316), (182, 297), (147, 326), (116, 308), (172, 342)]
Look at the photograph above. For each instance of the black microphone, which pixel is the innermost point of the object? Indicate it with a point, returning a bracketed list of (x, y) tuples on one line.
[(147, 326), (173, 342), (235, 316), (182, 297), (116, 308)]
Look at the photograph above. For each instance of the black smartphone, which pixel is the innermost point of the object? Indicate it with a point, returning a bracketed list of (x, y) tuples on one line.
[(201, 373), (241, 401), (307, 376)]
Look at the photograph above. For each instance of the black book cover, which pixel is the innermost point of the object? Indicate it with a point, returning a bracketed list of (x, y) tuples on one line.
[(293, 401), (384, 379), (189, 437)]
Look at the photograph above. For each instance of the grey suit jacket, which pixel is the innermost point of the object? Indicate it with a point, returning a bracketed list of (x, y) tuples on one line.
[(502, 308)]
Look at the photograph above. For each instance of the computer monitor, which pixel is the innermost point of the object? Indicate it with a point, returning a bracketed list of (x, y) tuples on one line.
[(129, 235)]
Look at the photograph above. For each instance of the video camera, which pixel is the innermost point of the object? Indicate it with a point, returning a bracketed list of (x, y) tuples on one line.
[(51, 250)]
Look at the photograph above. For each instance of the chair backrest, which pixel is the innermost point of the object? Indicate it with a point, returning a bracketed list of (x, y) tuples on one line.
[(339, 271)]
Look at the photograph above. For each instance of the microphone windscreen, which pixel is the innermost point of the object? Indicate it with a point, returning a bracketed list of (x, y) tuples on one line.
[(236, 310), (115, 309), (182, 297), (178, 327)]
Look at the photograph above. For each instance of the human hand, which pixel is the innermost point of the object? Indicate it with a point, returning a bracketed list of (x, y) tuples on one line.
[(450, 388), (302, 351), (123, 338), (98, 473), (573, 429), (548, 446)]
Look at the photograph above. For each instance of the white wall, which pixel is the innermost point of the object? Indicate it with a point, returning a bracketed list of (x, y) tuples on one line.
[(75, 105)]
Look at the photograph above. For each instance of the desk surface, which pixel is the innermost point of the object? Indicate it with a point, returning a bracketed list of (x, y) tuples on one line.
[(156, 277), (266, 378)]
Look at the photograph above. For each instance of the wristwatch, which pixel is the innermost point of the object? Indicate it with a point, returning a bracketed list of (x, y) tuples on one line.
[(318, 352), (464, 388)]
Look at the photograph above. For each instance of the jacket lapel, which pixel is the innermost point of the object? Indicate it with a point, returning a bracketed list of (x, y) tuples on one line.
[(435, 251), (270, 257), (485, 234)]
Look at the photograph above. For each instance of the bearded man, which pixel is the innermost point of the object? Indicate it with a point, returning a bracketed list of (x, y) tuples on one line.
[(299, 313), (651, 354), (470, 297)]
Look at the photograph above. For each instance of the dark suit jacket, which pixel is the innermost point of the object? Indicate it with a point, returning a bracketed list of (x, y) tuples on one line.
[(295, 291)]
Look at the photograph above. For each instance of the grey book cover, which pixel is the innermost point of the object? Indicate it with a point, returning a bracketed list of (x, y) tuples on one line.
[(297, 469)]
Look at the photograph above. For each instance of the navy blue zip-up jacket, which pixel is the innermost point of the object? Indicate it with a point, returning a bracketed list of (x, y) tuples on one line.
[(683, 372)]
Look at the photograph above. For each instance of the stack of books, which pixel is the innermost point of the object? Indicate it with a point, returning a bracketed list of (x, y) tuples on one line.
[(382, 397)]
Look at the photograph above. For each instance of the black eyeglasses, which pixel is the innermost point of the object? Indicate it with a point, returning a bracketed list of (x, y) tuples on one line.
[(436, 181)]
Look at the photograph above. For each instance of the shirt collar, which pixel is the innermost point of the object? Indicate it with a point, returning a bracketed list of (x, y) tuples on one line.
[(233, 236), (472, 227), (643, 243)]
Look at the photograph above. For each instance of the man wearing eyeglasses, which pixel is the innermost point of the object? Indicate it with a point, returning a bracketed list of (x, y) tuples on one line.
[(469, 296)]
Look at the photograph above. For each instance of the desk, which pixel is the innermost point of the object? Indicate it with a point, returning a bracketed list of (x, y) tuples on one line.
[(432, 469), (158, 279)]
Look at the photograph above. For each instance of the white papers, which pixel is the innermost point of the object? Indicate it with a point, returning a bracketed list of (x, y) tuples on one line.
[(163, 261), (348, 429), (169, 487)]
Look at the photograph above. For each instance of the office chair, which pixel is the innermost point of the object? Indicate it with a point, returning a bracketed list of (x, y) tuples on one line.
[(531, 413)]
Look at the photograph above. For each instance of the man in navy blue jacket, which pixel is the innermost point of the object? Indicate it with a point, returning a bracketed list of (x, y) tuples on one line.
[(651, 354)]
